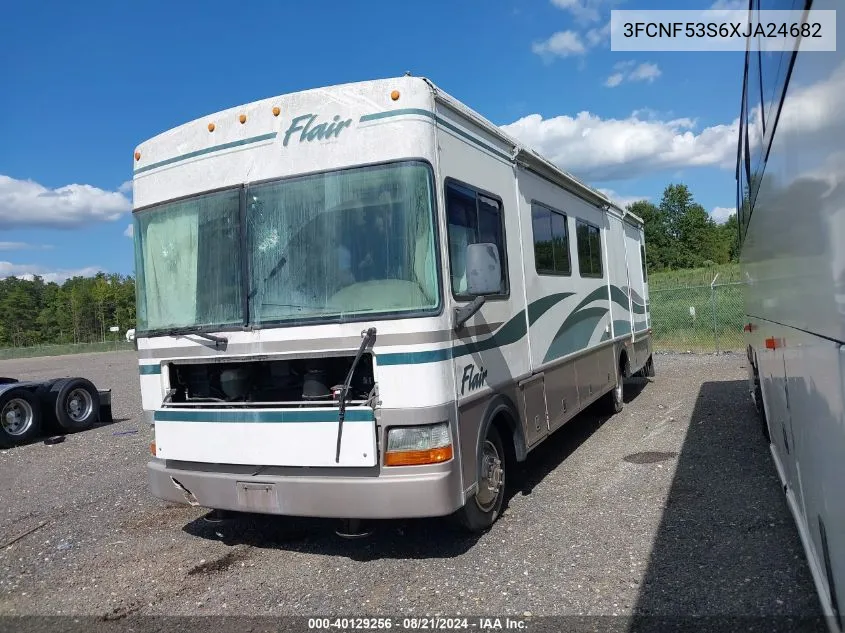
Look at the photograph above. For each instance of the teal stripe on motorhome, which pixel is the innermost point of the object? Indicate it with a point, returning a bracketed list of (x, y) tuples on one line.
[(440, 121), (574, 335), (414, 358), (147, 370), (257, 416), (638, 308), (621, 327), (541, 306), (207, 150), (640, 325)]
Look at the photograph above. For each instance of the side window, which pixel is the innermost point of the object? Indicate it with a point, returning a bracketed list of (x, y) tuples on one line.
[(589, 249), (642, 261), (551, 241), (473, 218)]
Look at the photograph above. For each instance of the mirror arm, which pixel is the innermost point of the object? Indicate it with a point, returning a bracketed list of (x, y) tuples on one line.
[(464, 314)]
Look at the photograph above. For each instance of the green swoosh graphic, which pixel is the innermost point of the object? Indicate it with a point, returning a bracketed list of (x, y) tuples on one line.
[(575, 332), (541, 306)]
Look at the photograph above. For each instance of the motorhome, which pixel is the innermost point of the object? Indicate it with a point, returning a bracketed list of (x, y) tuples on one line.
[(791, 215), (366, 301)]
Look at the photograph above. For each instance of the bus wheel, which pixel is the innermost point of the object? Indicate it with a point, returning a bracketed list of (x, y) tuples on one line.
[(481, 511)]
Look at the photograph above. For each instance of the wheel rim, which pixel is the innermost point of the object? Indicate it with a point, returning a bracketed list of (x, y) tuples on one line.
[(17, 417), (79, 405), (492, 477)]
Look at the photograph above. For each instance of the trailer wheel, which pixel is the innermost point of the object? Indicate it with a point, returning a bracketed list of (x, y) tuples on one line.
[(76, 404), (481, 511), (20, 417)]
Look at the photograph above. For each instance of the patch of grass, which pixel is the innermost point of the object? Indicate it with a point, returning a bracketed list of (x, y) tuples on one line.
[(34, 351)]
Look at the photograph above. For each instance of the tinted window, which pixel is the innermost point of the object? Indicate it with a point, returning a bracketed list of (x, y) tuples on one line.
[(642, 261), (589, 249), (473, 218), (551, 241)]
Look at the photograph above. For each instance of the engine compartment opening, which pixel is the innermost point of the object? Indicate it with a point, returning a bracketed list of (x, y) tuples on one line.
[(301, 382)]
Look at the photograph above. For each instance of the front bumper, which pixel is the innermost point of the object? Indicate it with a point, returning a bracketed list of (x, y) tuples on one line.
[(406, 492)]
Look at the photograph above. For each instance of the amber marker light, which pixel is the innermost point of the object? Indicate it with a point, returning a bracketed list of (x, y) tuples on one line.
[(394, 95), (211, 127), (276, 111), (242, 118)]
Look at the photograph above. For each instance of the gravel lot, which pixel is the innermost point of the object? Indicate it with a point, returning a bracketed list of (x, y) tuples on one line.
[(672, 507)]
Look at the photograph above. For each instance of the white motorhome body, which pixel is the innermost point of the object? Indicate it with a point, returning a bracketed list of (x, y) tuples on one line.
[(791, 202), (255, 291)]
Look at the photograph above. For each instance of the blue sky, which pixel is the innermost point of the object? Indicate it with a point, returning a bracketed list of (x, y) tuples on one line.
[(84, 83)]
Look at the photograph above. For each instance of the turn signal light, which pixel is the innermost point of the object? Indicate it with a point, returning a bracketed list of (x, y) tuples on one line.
[(152, 448), (418, 458)]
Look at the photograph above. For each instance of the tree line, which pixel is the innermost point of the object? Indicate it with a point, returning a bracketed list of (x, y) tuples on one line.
[(679, 234), (80, 310)]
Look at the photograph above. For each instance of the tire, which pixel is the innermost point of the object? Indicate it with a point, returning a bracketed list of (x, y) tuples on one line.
[(20, 417), (484, 508), (75, 402), (648, 369), (614, 400)]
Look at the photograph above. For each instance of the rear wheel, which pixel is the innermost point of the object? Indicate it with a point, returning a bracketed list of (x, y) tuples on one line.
[(76, 404), (20, 417), (481, 511), (614, 401)]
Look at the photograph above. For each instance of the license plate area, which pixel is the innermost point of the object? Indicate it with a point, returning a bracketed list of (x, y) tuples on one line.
[(257, 497)]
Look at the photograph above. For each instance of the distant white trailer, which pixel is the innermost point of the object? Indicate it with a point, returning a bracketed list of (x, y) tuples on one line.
[(367, 301), (791, 212)]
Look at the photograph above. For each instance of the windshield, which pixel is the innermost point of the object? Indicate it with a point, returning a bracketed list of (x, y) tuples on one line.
[(337, 245)]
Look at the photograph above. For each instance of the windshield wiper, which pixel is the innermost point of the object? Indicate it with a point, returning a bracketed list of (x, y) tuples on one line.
[(369, 337), (184, 331)]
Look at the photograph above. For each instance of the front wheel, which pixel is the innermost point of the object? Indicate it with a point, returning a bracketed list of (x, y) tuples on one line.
[(481, 511)]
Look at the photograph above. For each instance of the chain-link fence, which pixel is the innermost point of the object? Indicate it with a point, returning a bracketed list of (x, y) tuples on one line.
[(698, 318)]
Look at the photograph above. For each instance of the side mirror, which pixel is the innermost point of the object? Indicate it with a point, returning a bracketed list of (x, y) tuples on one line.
[(483, 269), (484, 277)]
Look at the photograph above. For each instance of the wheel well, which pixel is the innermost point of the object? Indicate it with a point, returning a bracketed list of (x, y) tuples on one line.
[(506, 426), (624, 365)]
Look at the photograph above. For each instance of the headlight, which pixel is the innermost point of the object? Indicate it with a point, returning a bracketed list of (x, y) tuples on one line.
[(417, 445)]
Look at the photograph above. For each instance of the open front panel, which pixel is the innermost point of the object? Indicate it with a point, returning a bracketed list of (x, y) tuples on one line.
[(291, 437), (268, 412)]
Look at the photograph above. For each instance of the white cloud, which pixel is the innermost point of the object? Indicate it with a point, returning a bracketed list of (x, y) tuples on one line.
[(27, 203), (28, 271), (130, 231), (600, 150), (24, 246), (126, 187), (583, 10), (597, 36), (561, 44), (614, 80), (630, 71), (721, 214), (622, 201)]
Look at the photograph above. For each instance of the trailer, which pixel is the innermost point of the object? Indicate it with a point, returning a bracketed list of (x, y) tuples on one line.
[(366, 301), (791, 215), (61, 405)]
